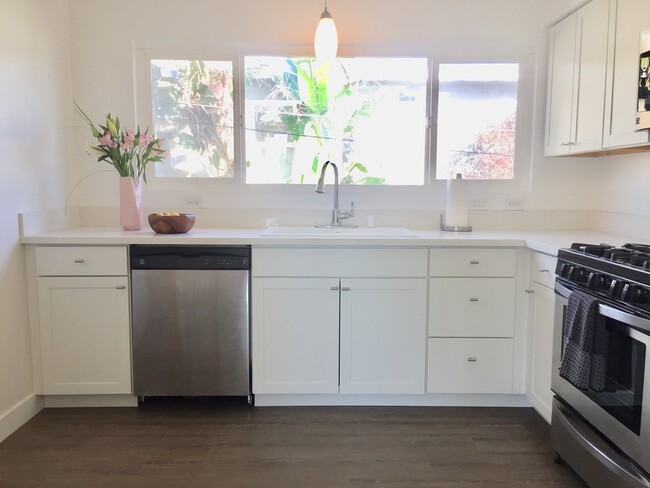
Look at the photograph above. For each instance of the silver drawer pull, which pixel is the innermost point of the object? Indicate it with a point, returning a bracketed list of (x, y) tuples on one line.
[(334, 288), (542, 270), (471, 360), (79, 261), (529, 291), (345, 288), (474, 262), (121, 287), (473, 299)]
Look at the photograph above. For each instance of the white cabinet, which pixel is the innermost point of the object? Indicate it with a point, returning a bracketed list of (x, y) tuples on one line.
[(383, 335), (471, 321), (295, 335), (84, 320), (541, 310), (470, 366), (627, 19), (300, 320), (576, 88)]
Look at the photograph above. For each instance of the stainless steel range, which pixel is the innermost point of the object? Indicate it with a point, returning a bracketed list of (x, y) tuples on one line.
[(602, 427)]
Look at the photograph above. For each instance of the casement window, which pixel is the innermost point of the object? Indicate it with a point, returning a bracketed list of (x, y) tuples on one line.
[(385, 121), (477, 120)]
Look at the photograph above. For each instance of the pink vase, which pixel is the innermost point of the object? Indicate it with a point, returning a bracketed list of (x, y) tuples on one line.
[(131, 209)]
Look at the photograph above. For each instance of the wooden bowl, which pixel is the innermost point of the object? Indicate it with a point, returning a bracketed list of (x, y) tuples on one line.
[(171, 224)]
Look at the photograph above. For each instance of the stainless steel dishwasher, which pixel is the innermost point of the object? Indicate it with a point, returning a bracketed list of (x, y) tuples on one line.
[(190, 331)]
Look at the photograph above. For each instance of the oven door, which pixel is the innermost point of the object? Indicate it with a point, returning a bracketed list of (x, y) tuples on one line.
[(619, 412)]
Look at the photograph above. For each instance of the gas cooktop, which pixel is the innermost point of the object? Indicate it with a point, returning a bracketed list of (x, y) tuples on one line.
[(620, 274)]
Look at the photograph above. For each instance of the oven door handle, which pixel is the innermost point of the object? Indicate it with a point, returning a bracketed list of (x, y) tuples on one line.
[(613, 313)]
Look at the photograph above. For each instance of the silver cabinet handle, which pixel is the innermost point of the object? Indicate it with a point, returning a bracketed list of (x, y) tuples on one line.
[(474, 262), (79, 261), (567, 143), (334, 288), (529, 291), (473, 299), (121, 287), (345, 288), (471, 360), (542, 270)]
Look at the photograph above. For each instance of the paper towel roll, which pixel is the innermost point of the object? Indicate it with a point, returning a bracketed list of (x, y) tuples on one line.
[(457, 208)]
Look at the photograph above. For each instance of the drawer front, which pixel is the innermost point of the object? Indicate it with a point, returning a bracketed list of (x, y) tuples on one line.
[(472, 262), (471, 307), (469, 366), (542, 269), (81, 261), (339, 262)]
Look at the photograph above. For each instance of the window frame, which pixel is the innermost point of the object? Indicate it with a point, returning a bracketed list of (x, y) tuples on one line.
[(144, 52)]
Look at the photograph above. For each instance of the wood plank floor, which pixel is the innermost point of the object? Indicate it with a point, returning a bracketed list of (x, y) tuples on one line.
[(217, 443)]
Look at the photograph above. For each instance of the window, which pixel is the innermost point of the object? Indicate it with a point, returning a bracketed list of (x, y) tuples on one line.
[(233, 119), (477, 107), (365, 114), (192, 105)]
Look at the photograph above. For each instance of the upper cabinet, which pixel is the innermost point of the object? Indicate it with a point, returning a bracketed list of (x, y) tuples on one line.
[(629, 17), (575, 107), (592, 84)]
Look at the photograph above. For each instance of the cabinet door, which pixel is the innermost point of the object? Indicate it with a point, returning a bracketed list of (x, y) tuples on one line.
[(383, 335), (295, 333), (85, 338), (559, 99), (589, 77), (627, 19), (542, 309)]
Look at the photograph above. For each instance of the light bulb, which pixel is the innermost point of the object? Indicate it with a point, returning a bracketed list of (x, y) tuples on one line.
[(326, 41)]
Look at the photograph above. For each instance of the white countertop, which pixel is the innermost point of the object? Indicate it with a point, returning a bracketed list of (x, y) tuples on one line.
[(544, 241)]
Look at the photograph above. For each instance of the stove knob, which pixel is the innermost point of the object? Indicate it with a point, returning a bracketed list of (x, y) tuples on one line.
[(593, 280), (563, 270), (629, 293), (573, 273), (614, 287)]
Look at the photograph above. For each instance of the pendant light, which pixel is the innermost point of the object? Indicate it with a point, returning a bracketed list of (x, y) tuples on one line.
[(326, 41)]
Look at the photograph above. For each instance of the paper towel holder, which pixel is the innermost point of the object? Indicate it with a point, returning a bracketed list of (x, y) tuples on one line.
[(453, 228)]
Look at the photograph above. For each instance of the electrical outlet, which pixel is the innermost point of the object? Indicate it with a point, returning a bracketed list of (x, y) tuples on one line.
[(479, 204), (515, 204), (193, 201)]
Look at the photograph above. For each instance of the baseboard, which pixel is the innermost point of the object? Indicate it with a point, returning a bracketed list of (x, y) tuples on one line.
[(430, 400), (18, 415), (74, 401)]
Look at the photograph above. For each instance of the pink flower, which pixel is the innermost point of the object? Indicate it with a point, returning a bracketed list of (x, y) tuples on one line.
[(145, 139), (129, 137), (126, 145), (106, 140)]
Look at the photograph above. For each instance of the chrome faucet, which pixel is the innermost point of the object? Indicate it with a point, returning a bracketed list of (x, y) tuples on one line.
[(337, 215)]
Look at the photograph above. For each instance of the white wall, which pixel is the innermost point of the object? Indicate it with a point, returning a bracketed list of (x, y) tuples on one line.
[(103, 80), (34, 133)]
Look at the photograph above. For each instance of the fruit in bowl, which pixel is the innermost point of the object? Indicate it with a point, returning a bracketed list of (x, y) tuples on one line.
[(171, 222)]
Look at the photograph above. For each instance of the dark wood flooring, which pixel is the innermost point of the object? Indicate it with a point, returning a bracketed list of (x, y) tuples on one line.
[(217, 443)]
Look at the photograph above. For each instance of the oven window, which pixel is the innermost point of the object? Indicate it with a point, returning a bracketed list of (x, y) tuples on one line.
[(623, 394)]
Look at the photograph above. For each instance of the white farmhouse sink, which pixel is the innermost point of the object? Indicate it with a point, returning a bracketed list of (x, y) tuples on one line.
[(358, 232)]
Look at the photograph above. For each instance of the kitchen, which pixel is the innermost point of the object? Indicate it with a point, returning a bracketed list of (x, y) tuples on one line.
[(64, 50)]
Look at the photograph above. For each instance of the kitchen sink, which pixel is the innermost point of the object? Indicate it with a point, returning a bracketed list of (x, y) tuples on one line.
[(359, 232)]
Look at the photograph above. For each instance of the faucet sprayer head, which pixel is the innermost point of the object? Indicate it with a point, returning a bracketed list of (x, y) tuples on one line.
[(320, 187)]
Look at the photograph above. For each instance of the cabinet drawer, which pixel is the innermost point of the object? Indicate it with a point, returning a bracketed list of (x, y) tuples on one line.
[(472, 262), (542, 269), (469, 366), (339, 262), (471, 307), (81, 261)]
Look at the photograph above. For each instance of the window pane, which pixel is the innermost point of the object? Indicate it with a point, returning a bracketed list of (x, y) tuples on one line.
[(365, 114), (477, 106), (192, 105)]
